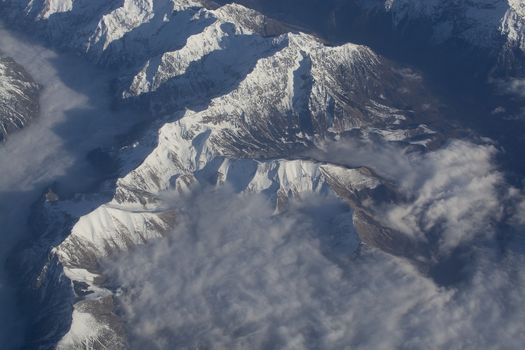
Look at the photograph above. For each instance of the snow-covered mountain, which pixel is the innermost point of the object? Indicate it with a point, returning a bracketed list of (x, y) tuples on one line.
[(238, 100), (18, 97), (495, 25), (483, 36), (477, 22)]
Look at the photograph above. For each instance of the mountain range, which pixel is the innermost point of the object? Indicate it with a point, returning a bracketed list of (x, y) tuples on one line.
[(247, 100)]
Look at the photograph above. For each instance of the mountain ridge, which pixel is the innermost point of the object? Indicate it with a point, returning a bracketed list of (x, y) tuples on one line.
[(18, 97), (222, 117)]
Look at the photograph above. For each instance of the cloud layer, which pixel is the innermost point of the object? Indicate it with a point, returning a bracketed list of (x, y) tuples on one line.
[(457, 195), (234, 275)]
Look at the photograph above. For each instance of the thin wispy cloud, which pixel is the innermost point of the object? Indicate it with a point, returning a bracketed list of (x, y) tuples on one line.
[(450, 196)]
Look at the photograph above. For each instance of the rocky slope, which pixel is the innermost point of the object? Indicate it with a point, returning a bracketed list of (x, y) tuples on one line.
[(482, 37), (494, 25), (18, 97), (239, 101)]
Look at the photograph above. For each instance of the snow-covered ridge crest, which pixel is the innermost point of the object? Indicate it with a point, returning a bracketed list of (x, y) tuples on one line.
[(513, 24), (111, 31), (18, 97), (54, 6)]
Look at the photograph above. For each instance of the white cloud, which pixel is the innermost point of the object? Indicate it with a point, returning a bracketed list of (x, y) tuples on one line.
[(386, 159), (234, 275), (457, 194), (519, 214), (514, 86), (453, 195)]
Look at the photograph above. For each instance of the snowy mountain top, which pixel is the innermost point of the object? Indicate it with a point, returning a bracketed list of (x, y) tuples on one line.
[(18, 97)]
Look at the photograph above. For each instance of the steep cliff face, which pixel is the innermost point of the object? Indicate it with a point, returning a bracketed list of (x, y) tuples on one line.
[(18, 97)]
